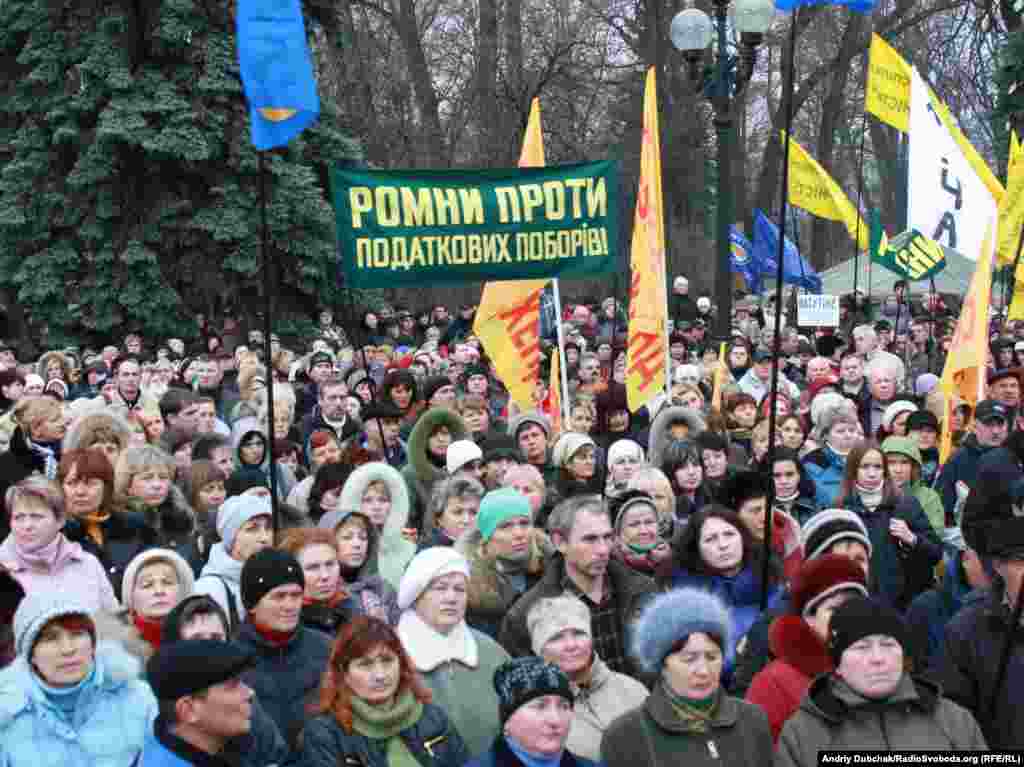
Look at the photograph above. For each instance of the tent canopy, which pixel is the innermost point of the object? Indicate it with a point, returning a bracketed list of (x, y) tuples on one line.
[(954, 279)]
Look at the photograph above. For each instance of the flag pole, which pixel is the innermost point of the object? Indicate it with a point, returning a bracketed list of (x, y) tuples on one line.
[(563, 374), (787, 109), (268, 289)]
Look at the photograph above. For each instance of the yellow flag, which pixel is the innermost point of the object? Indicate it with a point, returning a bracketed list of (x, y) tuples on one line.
[(964, 374), (508, 318), (1011, 222), (648, 301), (814, 190), (888, 91), (719, 381), (555, 394)]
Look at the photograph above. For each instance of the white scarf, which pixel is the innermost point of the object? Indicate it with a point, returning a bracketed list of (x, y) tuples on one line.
[(429, 649)]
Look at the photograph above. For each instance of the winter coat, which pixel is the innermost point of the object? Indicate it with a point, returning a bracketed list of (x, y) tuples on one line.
[(433, 742), (16, 464), (462, 687), (753, 653), (608, 696), (125, 535), (108, 727), (826, 468), (802, 509), (914, 718), (683, 308), (172, 525), (630, 589), (931, 505), (76, 573), (394, 552), (930, 611), (962, 466), (500, 755), (7, 427), (286, 679), (974, 640), (222, 574), (119, 628), (655, 736), (898, 573), (800, 656), (740, 593), (421, 474), (314, 421), (490, 592), (659, 437), (285, 479)]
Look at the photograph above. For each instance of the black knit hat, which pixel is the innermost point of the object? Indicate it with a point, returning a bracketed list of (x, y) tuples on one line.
[(922, 419), (862, 617), (498, 446), (266, 570), (828, 527), (189, 666), (523, 679), (432, 384)]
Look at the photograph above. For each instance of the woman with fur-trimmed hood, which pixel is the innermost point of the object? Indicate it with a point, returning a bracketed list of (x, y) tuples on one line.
[(378, 491), (428, 448), (498, 573), (52, 365), (672, 424), (109, 431)]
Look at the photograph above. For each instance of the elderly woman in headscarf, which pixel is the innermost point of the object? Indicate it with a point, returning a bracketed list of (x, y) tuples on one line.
[(560, 633), (455, 661), (682, 636)]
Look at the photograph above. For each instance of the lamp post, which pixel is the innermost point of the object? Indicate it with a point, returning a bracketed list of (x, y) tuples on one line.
[(692, 31)]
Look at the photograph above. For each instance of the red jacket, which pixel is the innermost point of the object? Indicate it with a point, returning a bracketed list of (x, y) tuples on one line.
[(800, 656)]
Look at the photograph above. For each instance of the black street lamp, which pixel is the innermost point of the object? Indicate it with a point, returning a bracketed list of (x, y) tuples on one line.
[(692, 32)]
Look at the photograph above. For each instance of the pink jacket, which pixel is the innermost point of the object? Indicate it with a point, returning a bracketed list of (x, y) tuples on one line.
[(74, 572)]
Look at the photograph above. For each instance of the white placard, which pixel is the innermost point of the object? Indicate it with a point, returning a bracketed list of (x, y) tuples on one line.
[(817, 311)]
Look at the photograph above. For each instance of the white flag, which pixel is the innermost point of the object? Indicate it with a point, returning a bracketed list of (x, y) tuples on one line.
[(946, 198)]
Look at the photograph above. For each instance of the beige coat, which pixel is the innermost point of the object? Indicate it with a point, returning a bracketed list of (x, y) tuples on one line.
[(608, 696)]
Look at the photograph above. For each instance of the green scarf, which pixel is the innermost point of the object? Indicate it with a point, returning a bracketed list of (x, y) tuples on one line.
[(387, 723), (696, 715)]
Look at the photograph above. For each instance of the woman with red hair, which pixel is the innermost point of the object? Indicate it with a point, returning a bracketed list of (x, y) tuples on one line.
[(374, 709)]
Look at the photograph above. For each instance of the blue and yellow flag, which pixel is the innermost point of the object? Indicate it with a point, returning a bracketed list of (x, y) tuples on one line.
[(859, 6), (277, 70)]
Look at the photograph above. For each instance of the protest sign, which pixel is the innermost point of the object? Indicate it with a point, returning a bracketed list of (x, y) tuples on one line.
[(418, 227), (817, 311)]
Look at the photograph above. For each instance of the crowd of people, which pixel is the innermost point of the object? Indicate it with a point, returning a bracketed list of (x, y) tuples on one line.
[(402, 567)]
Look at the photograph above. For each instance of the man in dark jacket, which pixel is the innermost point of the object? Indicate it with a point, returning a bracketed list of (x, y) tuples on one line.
[(581, 529), (329, 412), (991, 421), (682, 307), (289, 658)]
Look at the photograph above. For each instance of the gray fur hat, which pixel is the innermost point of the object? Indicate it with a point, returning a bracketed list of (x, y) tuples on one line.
[(671, 617)]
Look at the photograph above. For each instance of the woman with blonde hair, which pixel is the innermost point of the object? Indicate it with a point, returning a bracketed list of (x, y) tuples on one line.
[(35, 444), (143, 487)]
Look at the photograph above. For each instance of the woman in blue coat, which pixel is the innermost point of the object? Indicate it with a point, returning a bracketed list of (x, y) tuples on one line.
[(65, 702), (717, 554), (838, 431)]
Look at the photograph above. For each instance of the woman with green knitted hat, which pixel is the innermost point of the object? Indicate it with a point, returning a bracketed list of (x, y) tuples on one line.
[(904, 461), (374, 709)]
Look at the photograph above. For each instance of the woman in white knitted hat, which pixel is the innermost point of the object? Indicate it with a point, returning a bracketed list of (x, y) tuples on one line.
[(575, 456), (560, 633), (154, 582), (456, 662), (66, 701)]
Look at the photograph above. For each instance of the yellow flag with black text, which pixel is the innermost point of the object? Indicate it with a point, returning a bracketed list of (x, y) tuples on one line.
[(887, 96), (647, 348), (508, 318), (964, 373), (811, 188)]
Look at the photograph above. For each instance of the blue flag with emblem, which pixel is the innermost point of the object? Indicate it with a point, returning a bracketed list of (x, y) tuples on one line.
[(795, 271), (858, 6), (277, 70), (741, 259)]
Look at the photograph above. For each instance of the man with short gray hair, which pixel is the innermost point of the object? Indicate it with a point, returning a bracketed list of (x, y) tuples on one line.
[(683, 307), (580, 528)]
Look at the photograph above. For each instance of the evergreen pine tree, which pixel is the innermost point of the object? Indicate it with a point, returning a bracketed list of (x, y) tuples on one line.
[(129, 186)]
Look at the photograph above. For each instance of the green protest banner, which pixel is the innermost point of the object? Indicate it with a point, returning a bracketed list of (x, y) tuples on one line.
[(414, 227), (910, 255)]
